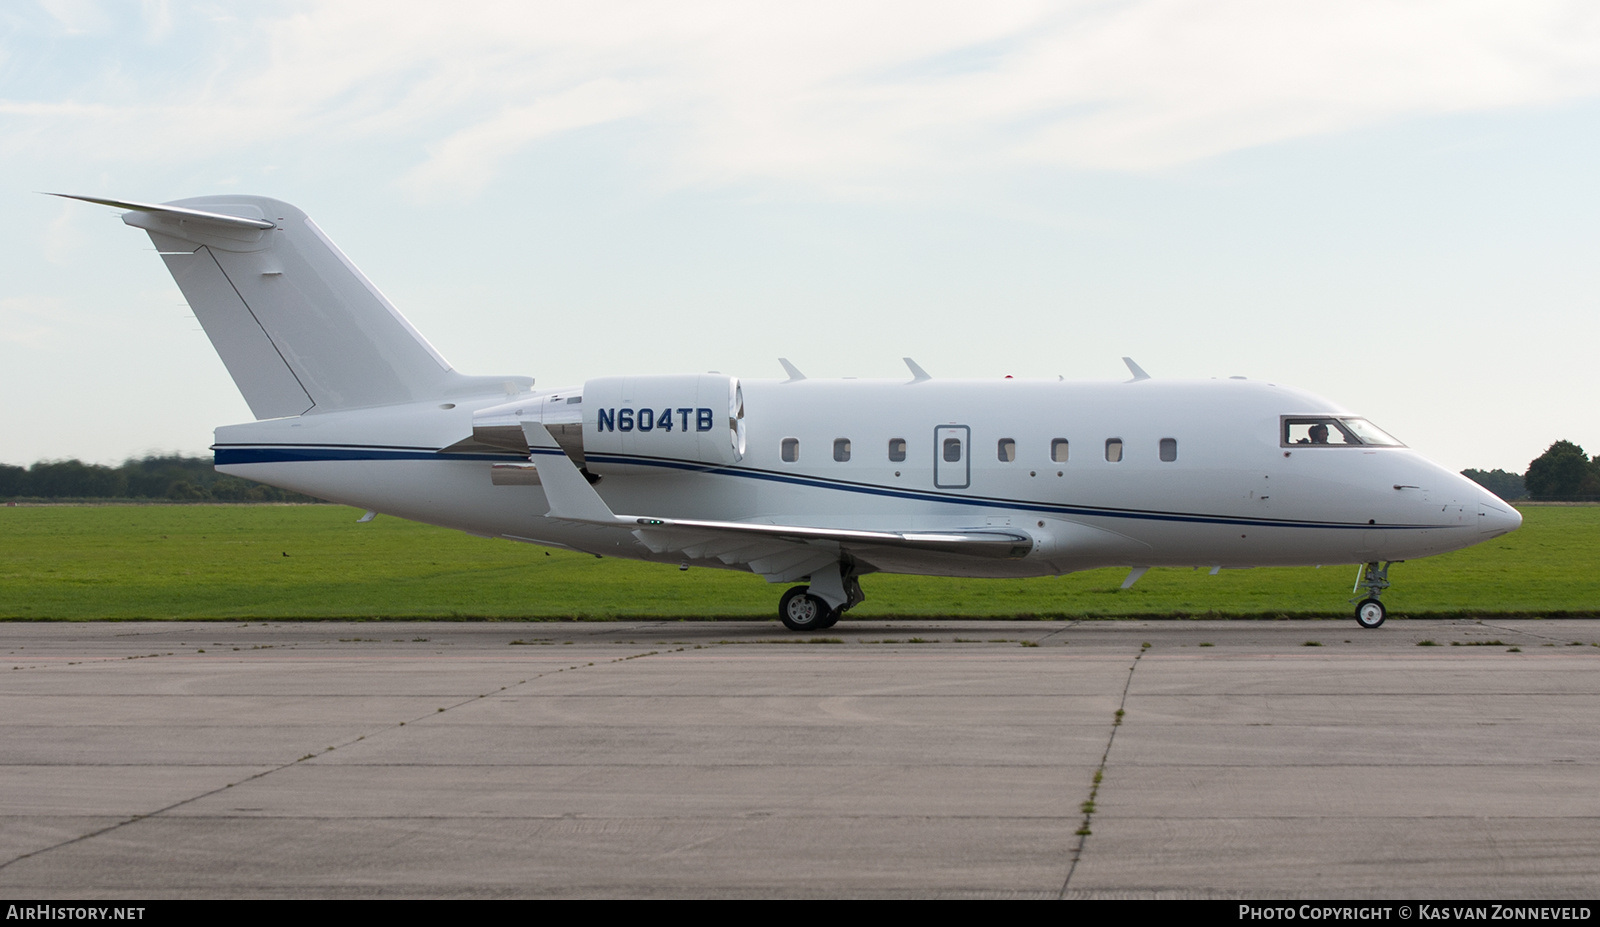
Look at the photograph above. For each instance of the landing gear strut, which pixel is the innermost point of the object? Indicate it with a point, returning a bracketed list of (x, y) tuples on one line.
[(1374, 579)]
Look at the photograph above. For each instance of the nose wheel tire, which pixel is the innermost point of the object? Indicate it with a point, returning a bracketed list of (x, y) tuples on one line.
[(799, 610), (1370, 613)]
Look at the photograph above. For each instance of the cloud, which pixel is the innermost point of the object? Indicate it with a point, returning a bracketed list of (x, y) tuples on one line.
[(466, 160), (833, 95), (62, 239), (157, 18), (76, 16)]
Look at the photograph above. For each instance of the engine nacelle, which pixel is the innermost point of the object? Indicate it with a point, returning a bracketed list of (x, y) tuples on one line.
[(697, 418)]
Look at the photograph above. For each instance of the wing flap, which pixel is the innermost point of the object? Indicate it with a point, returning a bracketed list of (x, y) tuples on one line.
[(992, 543)]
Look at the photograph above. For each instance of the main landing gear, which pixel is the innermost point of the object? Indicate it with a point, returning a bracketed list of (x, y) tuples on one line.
[(799, 610), (1374, 579), (802, 609)]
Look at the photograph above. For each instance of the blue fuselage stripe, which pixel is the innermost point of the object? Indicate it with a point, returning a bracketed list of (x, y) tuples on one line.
[(301, 453)]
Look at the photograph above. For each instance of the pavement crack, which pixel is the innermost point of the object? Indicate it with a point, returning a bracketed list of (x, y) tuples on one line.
[(136, 818), (1088, 806), (1534, 634), (1061, 630)]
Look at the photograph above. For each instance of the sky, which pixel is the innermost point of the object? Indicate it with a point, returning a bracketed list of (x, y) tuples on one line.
[(1394, 205)]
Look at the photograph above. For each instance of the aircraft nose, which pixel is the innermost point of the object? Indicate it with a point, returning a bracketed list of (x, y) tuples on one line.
[(1495, 520), (1495, 515)]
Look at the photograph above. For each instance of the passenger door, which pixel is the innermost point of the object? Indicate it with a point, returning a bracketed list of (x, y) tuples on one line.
[(952, 460)]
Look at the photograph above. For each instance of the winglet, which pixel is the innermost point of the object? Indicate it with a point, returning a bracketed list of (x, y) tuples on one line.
[(793, 371), (569, 494), (1136, 370), (917, 373)]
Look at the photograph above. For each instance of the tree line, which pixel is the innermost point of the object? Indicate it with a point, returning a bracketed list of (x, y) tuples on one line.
[(174, 478), (1563, 473)]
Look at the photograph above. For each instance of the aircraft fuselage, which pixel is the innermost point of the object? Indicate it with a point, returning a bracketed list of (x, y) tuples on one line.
[(1036, 456)]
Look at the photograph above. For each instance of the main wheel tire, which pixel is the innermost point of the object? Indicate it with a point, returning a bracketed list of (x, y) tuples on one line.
[(799, 610), (831, 620), (1370, 613)]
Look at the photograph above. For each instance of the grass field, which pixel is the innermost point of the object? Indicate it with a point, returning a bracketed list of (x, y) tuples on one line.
[(298, 562)]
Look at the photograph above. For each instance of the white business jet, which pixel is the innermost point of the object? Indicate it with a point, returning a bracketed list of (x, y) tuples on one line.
[(797, 480)]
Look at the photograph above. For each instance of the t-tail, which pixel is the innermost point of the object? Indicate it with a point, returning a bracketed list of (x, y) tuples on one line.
[(300, 329)]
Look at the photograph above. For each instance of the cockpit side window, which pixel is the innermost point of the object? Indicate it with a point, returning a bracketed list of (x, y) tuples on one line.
[(1370, 433), (1332, 431)]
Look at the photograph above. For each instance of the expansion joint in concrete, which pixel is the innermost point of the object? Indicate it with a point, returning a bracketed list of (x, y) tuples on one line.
[(1088, 807)]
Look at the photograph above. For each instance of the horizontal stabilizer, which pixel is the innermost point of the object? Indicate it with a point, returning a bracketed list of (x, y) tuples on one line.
[(179, 213)]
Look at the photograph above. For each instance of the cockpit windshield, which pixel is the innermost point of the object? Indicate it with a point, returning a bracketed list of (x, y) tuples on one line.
[(1333, 431)]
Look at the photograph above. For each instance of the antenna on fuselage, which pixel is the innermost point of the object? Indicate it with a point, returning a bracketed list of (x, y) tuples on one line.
[(793, 371), (1136, 370), (917, 373)]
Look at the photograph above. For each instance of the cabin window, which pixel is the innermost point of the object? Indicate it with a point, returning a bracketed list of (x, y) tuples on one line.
[(1114, 450), (1007, 450), (1058, 450), (897, 450), (1169, 449), (790, 450), (841, 449), (952, 450)]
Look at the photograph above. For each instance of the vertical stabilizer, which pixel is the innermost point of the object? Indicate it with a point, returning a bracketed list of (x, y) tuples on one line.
[(299, 328)]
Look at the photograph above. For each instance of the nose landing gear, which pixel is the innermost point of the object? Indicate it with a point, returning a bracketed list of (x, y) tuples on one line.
[(1374, 579), (1370, 613)]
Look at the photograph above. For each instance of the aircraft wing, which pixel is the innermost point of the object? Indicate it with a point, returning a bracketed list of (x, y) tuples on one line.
[(781, 553)]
